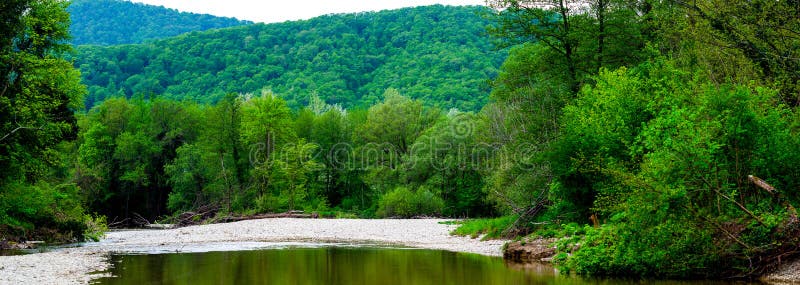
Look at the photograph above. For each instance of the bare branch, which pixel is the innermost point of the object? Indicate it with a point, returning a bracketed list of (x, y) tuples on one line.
[(19, 128)]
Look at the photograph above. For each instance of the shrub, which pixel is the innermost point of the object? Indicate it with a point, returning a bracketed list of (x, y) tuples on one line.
[(38, 211), (492, 228), (401, 202), (96, 227)]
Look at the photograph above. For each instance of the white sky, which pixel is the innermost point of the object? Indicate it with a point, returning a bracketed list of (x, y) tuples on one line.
[(282, 10)]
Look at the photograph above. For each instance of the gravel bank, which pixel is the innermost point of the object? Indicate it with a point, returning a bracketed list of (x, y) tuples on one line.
[(75, 265), (789, 273)]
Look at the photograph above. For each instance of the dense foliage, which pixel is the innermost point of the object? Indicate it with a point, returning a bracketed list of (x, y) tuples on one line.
[(436, 54), (252, 154), (39, 92), (114, 22), (647, 124)]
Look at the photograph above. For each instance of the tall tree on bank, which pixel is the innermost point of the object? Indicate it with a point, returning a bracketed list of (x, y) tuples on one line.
[(766, 33), (581, 36), (39, 90), (266, 128), (557, 48)]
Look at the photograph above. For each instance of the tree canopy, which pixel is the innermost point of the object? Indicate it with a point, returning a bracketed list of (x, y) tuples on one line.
[(39, 93), (114, 22)]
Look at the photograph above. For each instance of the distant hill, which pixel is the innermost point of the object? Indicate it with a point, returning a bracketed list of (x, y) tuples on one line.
[(439, 54), (111, 22)]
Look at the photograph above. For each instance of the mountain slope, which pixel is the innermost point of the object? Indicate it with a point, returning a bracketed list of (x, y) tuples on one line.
[(436, 53), (110, 22)]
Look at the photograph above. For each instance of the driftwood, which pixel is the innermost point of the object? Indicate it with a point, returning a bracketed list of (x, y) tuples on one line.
[(208, 214), (761, 183), (139, 221), (202, 214), (160, 226), (114, 224), (268, 216), (785, 247), (769, 188)]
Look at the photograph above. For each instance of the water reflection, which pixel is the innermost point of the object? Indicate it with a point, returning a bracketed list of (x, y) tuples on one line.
[(334, 265)]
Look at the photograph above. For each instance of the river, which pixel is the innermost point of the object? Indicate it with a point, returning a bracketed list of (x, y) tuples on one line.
[(338, 265)]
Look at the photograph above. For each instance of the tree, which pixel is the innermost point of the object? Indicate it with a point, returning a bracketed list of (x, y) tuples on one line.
[(557, 48), (296, 167), (391, 127), (39, 91), (266, 127), (222, 137), (763, 32), (663, 157), (188, 178), (125, 146), (548, 22), (582, 36), (333, 135), (447, 160), (394, 124), (39, 88)]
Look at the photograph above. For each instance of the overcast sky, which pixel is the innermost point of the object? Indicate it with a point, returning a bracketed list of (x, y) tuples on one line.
[(282, 10)]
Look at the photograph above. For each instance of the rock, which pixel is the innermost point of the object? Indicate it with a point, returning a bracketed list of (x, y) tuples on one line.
[(538, 250)]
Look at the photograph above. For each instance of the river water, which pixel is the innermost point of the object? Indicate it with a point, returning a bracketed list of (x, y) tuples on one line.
[(337, 265)]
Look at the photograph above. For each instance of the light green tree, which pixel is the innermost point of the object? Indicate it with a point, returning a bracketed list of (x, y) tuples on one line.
[(296, 168), (39, 89), (266, 127)]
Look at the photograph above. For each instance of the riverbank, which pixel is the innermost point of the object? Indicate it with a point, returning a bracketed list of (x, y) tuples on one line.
[(788, 273), (77, 265)]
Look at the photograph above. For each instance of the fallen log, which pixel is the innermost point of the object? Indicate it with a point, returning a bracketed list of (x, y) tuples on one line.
[(771, 189)]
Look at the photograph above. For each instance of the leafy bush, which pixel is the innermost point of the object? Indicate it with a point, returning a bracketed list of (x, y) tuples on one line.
[(401, 202), (626, 247), (665, 162), (96, 227), (267, 204), (345, 215), (492, 228), (34, 211)]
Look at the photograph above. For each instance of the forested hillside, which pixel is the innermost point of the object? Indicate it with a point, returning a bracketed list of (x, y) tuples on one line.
[(437, 54), (113, 22)]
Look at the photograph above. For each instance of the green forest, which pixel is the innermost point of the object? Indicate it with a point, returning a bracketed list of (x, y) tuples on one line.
[(653, 138), (252, 154), (440, 55), (115, 22)]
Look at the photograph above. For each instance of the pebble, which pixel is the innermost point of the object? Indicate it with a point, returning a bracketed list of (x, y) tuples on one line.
[(789, 273)]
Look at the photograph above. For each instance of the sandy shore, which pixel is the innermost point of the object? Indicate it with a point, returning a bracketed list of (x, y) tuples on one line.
[(77, 265)]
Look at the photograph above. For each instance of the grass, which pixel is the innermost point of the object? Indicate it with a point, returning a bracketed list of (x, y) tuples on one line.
[(491, 228)]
